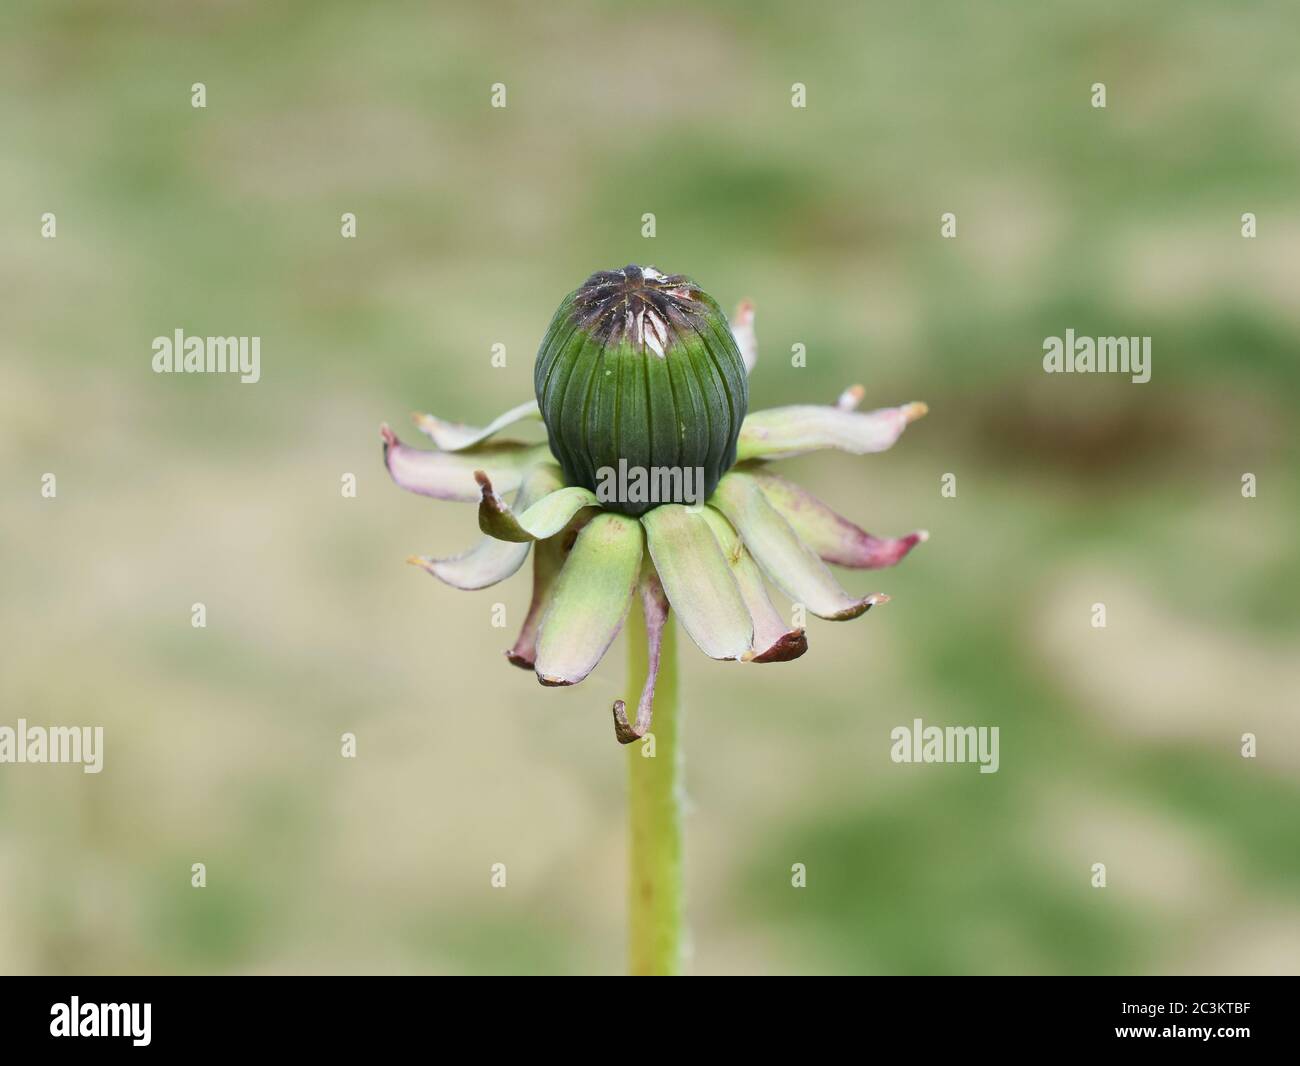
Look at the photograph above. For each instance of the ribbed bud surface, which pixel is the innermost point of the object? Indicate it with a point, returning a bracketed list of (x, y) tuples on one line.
[(639, 372)]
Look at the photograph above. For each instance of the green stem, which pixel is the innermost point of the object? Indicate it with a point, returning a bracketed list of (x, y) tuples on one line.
[(656, 912)]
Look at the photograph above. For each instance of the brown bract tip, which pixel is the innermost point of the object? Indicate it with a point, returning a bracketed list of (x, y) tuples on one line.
[(624, 730), (788, 646), (850, 398), (521, 661)]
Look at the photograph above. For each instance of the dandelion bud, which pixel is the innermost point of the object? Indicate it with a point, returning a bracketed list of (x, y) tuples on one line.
[(640, 372)]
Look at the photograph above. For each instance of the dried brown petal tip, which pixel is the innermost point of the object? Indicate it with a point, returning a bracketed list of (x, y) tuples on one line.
[(625, 731)]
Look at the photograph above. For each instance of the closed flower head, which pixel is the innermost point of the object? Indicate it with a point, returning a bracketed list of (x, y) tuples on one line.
[(639, 372)]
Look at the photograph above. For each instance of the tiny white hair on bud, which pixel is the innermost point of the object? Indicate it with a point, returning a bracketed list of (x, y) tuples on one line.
[(649, 328)]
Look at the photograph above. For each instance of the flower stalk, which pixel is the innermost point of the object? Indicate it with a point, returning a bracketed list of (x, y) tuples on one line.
[(640, 370), (656, 886)]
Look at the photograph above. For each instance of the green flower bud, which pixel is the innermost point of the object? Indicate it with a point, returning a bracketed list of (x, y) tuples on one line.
[(639, 373)]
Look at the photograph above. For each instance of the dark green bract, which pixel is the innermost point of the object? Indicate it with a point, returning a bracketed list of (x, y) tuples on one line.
[(639, 377)]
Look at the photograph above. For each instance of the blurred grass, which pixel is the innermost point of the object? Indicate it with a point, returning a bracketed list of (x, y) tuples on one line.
[(1118, 745)]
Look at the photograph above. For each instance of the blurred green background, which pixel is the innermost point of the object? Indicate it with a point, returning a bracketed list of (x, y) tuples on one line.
[(1119, 745)]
